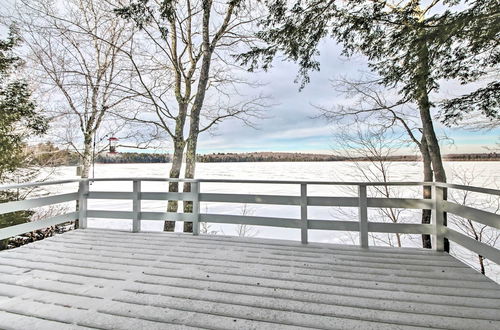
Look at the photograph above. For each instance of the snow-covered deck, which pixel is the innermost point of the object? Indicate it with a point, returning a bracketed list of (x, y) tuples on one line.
[(121, 280)]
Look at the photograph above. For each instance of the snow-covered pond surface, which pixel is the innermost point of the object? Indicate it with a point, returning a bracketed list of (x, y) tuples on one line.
[(485, 174)]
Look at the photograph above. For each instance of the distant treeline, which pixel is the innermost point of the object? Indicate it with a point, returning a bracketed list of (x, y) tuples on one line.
[(266, 157), (47, 154), (493, 156), (133, 157), (472, 157)]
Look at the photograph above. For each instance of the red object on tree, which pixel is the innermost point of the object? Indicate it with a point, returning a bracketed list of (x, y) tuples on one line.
[(112, 145)]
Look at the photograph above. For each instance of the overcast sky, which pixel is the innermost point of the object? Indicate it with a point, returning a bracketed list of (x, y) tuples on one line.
[(291, 125)]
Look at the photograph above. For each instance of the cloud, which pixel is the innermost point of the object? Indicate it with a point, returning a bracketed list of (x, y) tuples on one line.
[(290, 126)]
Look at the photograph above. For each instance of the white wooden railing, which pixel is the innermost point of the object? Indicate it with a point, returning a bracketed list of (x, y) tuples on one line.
[(438, 206)]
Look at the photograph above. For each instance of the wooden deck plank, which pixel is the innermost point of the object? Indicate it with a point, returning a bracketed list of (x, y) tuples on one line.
[(200, 276), (122, 280), (373, 285), (449, 308), (221, 258), (284, 245), (419, 265), (123, 263), (276, 244), (74, 287), (192, 248), (307, 314), (17, 321), (124, 256), (81, 317)]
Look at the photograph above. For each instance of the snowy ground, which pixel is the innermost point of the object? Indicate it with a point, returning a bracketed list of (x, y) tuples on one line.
[(485, 174)]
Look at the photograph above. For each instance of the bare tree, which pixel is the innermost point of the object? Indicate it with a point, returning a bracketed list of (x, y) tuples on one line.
[(374, 146), (246, 230), (192, 42), (475, 230), (206, 228), (386, 112), (81, 75)]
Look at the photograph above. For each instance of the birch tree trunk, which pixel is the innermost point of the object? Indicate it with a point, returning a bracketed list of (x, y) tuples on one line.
[(175, 171), (87, 155), (194, 125), (189, 174), (179, 141)]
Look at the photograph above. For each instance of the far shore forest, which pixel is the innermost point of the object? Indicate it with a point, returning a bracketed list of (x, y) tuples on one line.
[(52, 156)]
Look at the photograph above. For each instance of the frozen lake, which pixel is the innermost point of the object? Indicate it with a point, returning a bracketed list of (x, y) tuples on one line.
[(485, 174)]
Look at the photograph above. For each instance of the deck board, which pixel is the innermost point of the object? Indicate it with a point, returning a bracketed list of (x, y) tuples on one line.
[(121, 280)]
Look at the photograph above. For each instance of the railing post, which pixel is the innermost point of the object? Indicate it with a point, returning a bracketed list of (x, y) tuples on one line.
[(83, 191), (195, 190), (363, 216), (136, 206), (438, 217), (303, 213)]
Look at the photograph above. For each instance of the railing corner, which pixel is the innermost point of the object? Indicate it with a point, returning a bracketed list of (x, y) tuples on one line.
[(83, 192), (195, 190), (438, 217), (363, 215)]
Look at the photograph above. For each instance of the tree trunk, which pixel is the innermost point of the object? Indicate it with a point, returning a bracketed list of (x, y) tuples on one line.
[(87, 155), (175, 171), (481, 264), (398, 238), (86, 164), (427, 191), (433, 144), (189, 174), (422, 96), (194, 125)]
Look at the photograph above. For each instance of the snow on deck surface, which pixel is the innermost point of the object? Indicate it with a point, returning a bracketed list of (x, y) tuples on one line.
[(120, 280)]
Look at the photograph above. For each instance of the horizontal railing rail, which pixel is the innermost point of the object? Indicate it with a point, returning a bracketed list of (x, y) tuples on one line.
[(27, 204), (362, 202), (37, 202), (36, 184)]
